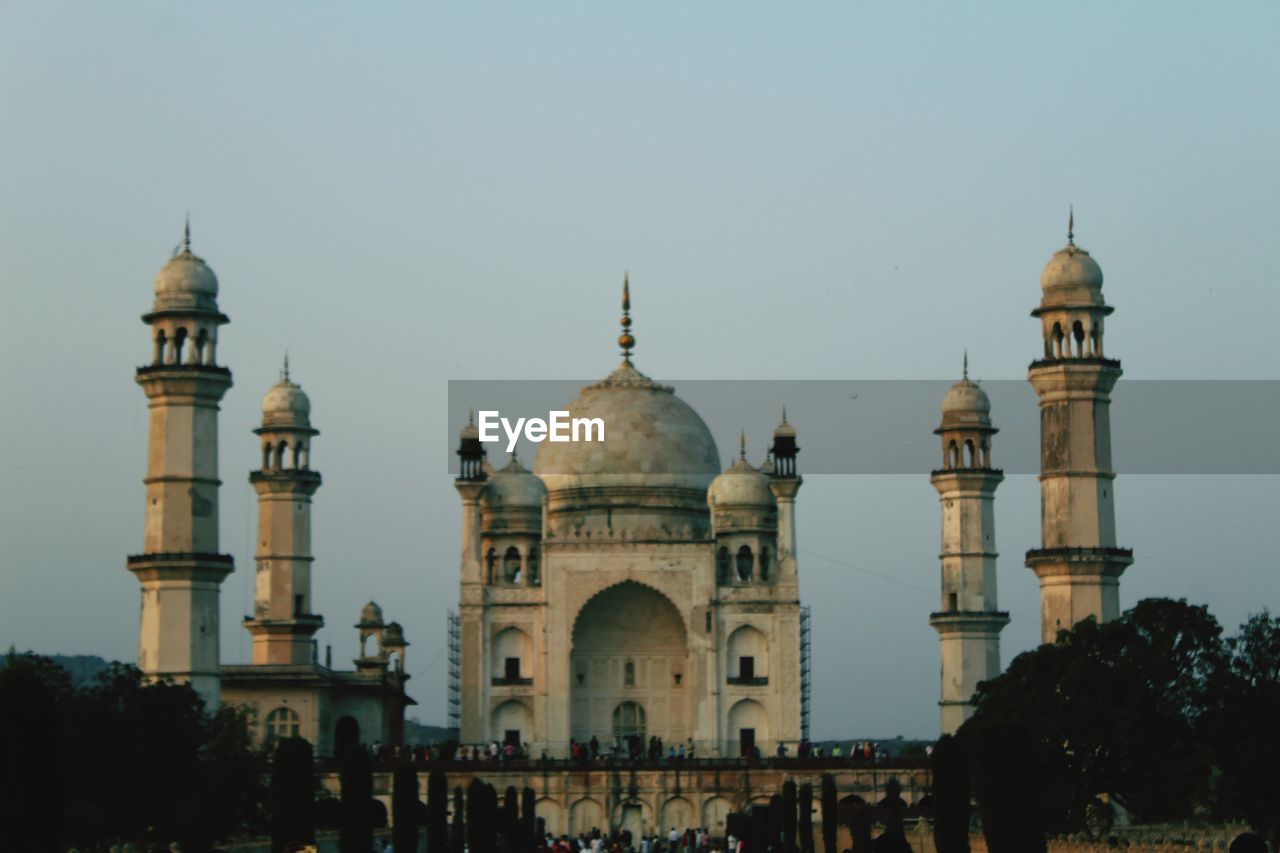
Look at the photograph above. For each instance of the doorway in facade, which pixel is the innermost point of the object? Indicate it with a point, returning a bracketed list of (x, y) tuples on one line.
[(628, 727), (511, 736), (747, 742), (345, 734)]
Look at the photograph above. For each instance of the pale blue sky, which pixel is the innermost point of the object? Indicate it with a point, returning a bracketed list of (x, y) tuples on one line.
[(406, 193)]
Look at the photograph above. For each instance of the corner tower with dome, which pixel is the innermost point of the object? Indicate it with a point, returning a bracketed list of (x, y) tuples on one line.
[(629, 589)]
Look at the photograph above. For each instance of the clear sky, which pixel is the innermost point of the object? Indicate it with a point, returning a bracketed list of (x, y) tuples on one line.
[(406, 193)]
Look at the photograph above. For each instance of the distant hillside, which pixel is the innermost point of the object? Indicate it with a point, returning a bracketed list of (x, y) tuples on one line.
[(82, 668), (420, 733)]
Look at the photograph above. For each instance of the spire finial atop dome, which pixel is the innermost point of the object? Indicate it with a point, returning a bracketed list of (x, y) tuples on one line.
[(186, 234), (742, 444), (284, 371), (1071, 225), (784, 413), (965, 374), (626, 340)]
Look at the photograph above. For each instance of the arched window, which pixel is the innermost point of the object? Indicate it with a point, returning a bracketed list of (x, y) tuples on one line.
[(744, 563), (1077, 332), (511, 565), (179, 339), (280, 451), (764, 564), (491, 563), (197, 351), (970, 458), (266, 456), (534, 578), (282, 722), (722, 566), (953, 456), (628, 721), (157, 354)]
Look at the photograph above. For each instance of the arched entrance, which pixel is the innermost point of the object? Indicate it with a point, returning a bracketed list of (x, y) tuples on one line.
[(629, 667)]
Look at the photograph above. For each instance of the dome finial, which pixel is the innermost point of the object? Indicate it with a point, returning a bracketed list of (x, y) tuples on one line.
[(626, 340), (742, 444), (784, 413), (186, 234), (966, 364), (284, 371), (1071, 225)]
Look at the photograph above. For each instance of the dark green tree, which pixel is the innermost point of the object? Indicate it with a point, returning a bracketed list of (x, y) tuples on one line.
[(894, 838), (951, 796), (458, 831), (355, 817), (404, 807), (789, 815), (830, 814), (1116, 709), (806, 818), (860, 829), (292, 794), (777, 817), (1243, 728), (438, 812), (32, 776), (1007, 782)]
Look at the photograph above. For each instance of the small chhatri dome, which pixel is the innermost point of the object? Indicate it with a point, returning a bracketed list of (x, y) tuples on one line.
[(1071, 267), (513, 486), (371, 616), (470, 432), (784, 428), (286, 404), (741, 484), (186, 283), (394, 635)]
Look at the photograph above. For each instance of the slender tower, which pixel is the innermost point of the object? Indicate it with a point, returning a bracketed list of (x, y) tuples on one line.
[(282, 624), (1078, 563), (180, 568), (968, 624)]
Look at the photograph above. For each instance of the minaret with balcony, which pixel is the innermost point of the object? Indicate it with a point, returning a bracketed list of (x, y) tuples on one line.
[(968, 623), (1078, 562), (283, 625), (181, 568)]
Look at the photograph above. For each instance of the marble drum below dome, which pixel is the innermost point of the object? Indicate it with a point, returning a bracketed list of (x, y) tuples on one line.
[(648, 478)]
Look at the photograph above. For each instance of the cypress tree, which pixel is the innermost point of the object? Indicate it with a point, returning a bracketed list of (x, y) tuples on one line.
[(404, 808), (860, 829), (438, 812), (830, 814), (31, 758), (458, 832), (529, 819), (789, 816), (806, 818), (355, 816), (292, 795), (775, 822), (950, 796), (477, 820), (511, 841)]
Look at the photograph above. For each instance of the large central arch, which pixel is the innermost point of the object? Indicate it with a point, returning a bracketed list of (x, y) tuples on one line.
[(629, 648)]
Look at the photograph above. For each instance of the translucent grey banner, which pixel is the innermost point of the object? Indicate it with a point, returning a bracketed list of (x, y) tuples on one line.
[(886, 426)]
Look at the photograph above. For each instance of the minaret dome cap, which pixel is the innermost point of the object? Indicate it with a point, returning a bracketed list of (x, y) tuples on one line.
[(286, 405)]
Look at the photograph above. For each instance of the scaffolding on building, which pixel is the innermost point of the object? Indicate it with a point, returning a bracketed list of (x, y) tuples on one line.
[(805, 681), (455, 675)]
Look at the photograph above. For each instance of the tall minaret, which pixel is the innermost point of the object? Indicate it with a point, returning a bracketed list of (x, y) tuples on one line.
[(1078, 563), (968, 624), (282, 624), (180, 568), (470, 483)]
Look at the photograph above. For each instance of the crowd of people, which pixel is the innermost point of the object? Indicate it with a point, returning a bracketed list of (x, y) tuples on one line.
[(619, 749), (695, 840)]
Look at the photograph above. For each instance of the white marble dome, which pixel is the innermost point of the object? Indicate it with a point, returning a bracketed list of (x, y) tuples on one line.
[(1071, 267), (371, 615), (513, 486), (186, 283), (740, 485), (286, 405), (652, 438)]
